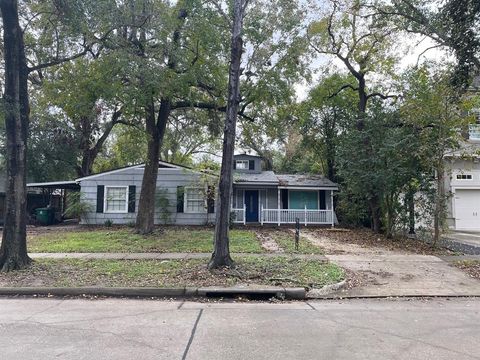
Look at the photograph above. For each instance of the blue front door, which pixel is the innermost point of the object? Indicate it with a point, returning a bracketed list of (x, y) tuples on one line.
[(251, 202)]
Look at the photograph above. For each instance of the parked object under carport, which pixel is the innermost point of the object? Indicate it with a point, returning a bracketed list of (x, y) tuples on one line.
[(45, 216)]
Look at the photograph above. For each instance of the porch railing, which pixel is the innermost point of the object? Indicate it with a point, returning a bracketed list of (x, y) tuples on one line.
[(239, 215), (289, 216)]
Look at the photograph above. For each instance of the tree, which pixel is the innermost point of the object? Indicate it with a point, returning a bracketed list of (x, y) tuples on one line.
[(453, 24), (83, 95), (18, 70), (13, 251), (190, 60), (221, 252), (432, 109), (324, 115), (353, 35)]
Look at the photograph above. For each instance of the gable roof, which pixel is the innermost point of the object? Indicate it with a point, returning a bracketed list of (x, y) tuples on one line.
[(161, 164)]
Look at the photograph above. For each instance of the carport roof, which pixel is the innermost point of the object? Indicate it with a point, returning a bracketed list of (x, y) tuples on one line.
[(69, 185)]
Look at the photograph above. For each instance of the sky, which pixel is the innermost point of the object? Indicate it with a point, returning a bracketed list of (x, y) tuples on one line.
[(413, 49)]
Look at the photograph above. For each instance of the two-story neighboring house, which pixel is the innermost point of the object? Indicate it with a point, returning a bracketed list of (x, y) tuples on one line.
[(463, 182)]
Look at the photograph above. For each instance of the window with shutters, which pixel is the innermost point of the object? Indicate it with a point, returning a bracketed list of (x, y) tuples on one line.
[(194, 200), (116, 199)]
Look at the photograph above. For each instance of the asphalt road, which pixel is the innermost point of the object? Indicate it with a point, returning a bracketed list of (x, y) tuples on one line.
[(147, 329)]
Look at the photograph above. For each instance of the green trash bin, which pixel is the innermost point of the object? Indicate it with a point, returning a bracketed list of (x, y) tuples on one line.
[(45, 216)]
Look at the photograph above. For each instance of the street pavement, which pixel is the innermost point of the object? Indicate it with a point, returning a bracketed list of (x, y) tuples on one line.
[(150, 329)]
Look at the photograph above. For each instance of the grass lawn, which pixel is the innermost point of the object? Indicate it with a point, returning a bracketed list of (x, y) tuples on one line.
[(173, 273), (125, 240), (286, 240)]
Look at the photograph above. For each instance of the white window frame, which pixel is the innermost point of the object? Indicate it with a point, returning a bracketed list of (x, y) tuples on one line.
[(246, 162), (185, 201), (105, 198), (462, 174)]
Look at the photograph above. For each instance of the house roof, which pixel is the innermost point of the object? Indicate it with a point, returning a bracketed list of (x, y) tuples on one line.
[(305, 180), (72, 185), (247, 155), (256, 177), (286, 180)]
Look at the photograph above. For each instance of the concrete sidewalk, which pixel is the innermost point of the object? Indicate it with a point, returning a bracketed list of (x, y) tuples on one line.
[(162, 256)]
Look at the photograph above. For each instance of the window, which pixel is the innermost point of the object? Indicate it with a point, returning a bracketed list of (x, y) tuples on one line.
[(242, 164), (116, 199), (303, 199), (464, 176), (194, 200)]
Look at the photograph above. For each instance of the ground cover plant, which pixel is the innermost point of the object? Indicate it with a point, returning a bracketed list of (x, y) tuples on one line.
[(279, 271)]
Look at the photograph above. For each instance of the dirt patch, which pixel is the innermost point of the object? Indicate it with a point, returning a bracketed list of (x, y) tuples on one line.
[(267, 241), (471, 267), (364, 241)]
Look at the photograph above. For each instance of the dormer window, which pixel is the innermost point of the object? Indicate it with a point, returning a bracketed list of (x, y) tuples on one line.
[(242, 164)]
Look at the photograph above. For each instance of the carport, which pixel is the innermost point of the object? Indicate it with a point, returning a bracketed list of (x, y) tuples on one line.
[(53, 194)]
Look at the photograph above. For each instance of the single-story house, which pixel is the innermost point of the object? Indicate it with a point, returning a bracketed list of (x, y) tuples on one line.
[(186, 197)]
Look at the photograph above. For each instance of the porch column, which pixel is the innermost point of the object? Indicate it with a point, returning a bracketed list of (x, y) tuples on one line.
[(278, 206), (331, 207)]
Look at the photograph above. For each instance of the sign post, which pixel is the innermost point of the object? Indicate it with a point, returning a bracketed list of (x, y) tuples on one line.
[(297, 233)]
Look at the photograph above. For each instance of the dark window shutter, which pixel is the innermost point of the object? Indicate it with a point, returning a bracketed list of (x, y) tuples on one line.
[(284, 195), (234, 165), (251, 165), (211, 199), (180, 193), (132, 189), (323, 200), (100, 197)]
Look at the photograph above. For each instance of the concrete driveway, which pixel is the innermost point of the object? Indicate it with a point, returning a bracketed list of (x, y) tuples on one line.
[(138, 329), (464, 241), (377, 271), (405, 275)]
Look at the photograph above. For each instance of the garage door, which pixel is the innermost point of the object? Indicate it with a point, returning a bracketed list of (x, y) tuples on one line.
[(467, 209)]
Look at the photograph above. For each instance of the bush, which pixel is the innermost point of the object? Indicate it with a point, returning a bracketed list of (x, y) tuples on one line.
[(77, 207), (108, 223)]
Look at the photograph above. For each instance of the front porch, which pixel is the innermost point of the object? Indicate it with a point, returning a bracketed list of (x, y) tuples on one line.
[(283, 205)]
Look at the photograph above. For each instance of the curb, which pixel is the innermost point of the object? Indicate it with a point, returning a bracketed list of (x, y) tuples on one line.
[(184, 292), (326, 290), (404, 296)]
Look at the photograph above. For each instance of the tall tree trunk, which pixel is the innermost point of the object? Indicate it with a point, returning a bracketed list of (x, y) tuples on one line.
[(439, 214), (221, 253), (374, 198), (13, 252), (145, 222), (410, 205)]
